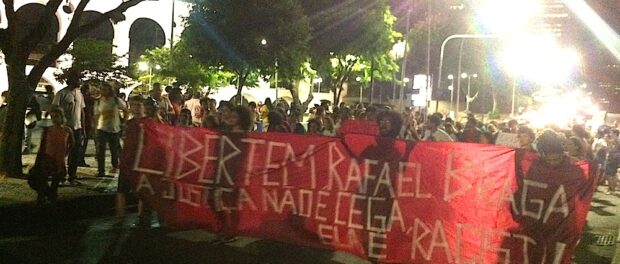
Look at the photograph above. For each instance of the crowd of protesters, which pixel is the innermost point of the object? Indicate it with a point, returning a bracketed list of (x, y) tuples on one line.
[(103, 118), (552, 142)]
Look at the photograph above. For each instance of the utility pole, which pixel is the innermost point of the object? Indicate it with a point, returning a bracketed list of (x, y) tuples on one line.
[(403, 74)]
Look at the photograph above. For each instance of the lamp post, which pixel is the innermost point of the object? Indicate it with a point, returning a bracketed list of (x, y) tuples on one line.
[(318, 81), (406, 81), (451, 88), (264, 43), (359, 79), (443, 47), (144, 66), (469, 90)]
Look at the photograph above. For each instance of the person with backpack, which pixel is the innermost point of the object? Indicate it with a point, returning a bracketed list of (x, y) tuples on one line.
[(108, 120)]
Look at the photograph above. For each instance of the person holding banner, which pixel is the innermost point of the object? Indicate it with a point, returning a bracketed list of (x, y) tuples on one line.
[(240, 120), (185, 118), (315, 127), (389, 124), (388, 152), (277, 122), (137, 113), (526, 138), (434, 132)]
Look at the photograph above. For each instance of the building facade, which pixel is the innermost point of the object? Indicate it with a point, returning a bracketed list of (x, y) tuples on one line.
[(148, 24)]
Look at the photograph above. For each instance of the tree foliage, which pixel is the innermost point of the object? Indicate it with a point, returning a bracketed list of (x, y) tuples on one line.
[(93, 55), (181, 67), (17, 50), (95, 60), (229, 34), (347, 36)]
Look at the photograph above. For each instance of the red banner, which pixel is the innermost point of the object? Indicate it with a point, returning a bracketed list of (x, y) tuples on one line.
[(363, 127), (377, 198)]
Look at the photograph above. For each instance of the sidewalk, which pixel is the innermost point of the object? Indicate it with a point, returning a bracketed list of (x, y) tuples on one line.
[(16, 191), (602, 227)]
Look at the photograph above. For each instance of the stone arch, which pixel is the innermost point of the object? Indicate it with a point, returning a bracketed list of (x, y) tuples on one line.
[(27, 19), (105, 30), (144, 34)]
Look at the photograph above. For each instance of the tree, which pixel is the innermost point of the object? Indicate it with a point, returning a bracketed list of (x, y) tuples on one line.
[(95, 60), (17, 44), (247, 37), (93, 55), (347, 36), (181, 67)]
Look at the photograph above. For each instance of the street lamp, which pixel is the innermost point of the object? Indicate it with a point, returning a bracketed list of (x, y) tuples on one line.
[(359, 80), (451, 88), (469, 98), (318, 81), (264, 43), (443, 48), (144, 66), (554, 64)]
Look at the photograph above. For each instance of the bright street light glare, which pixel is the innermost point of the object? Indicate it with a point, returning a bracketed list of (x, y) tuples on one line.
[(475, 75), (143, 66), (540, 59), (406, 80), (263, 42), (450, 77), (398, 50), (560, 108), (464, 75), (507, 16), (157, 67)]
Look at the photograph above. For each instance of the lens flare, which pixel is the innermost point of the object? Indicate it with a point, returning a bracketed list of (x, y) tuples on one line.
[(540, 59), (508, 16), (562, 109), (603, 32)]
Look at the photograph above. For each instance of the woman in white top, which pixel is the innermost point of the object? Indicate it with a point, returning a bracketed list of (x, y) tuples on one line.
[(108, 119)]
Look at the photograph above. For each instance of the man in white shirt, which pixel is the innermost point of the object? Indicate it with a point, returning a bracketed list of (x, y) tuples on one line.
[(70, 99), (193, 105), (434, 132)]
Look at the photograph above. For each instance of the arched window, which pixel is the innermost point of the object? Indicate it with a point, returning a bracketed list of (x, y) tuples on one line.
[(27, 20), (144, 34)]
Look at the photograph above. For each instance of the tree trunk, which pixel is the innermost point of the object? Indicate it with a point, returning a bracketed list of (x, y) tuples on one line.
[(13, 133), (295, 93), (242, 77)]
